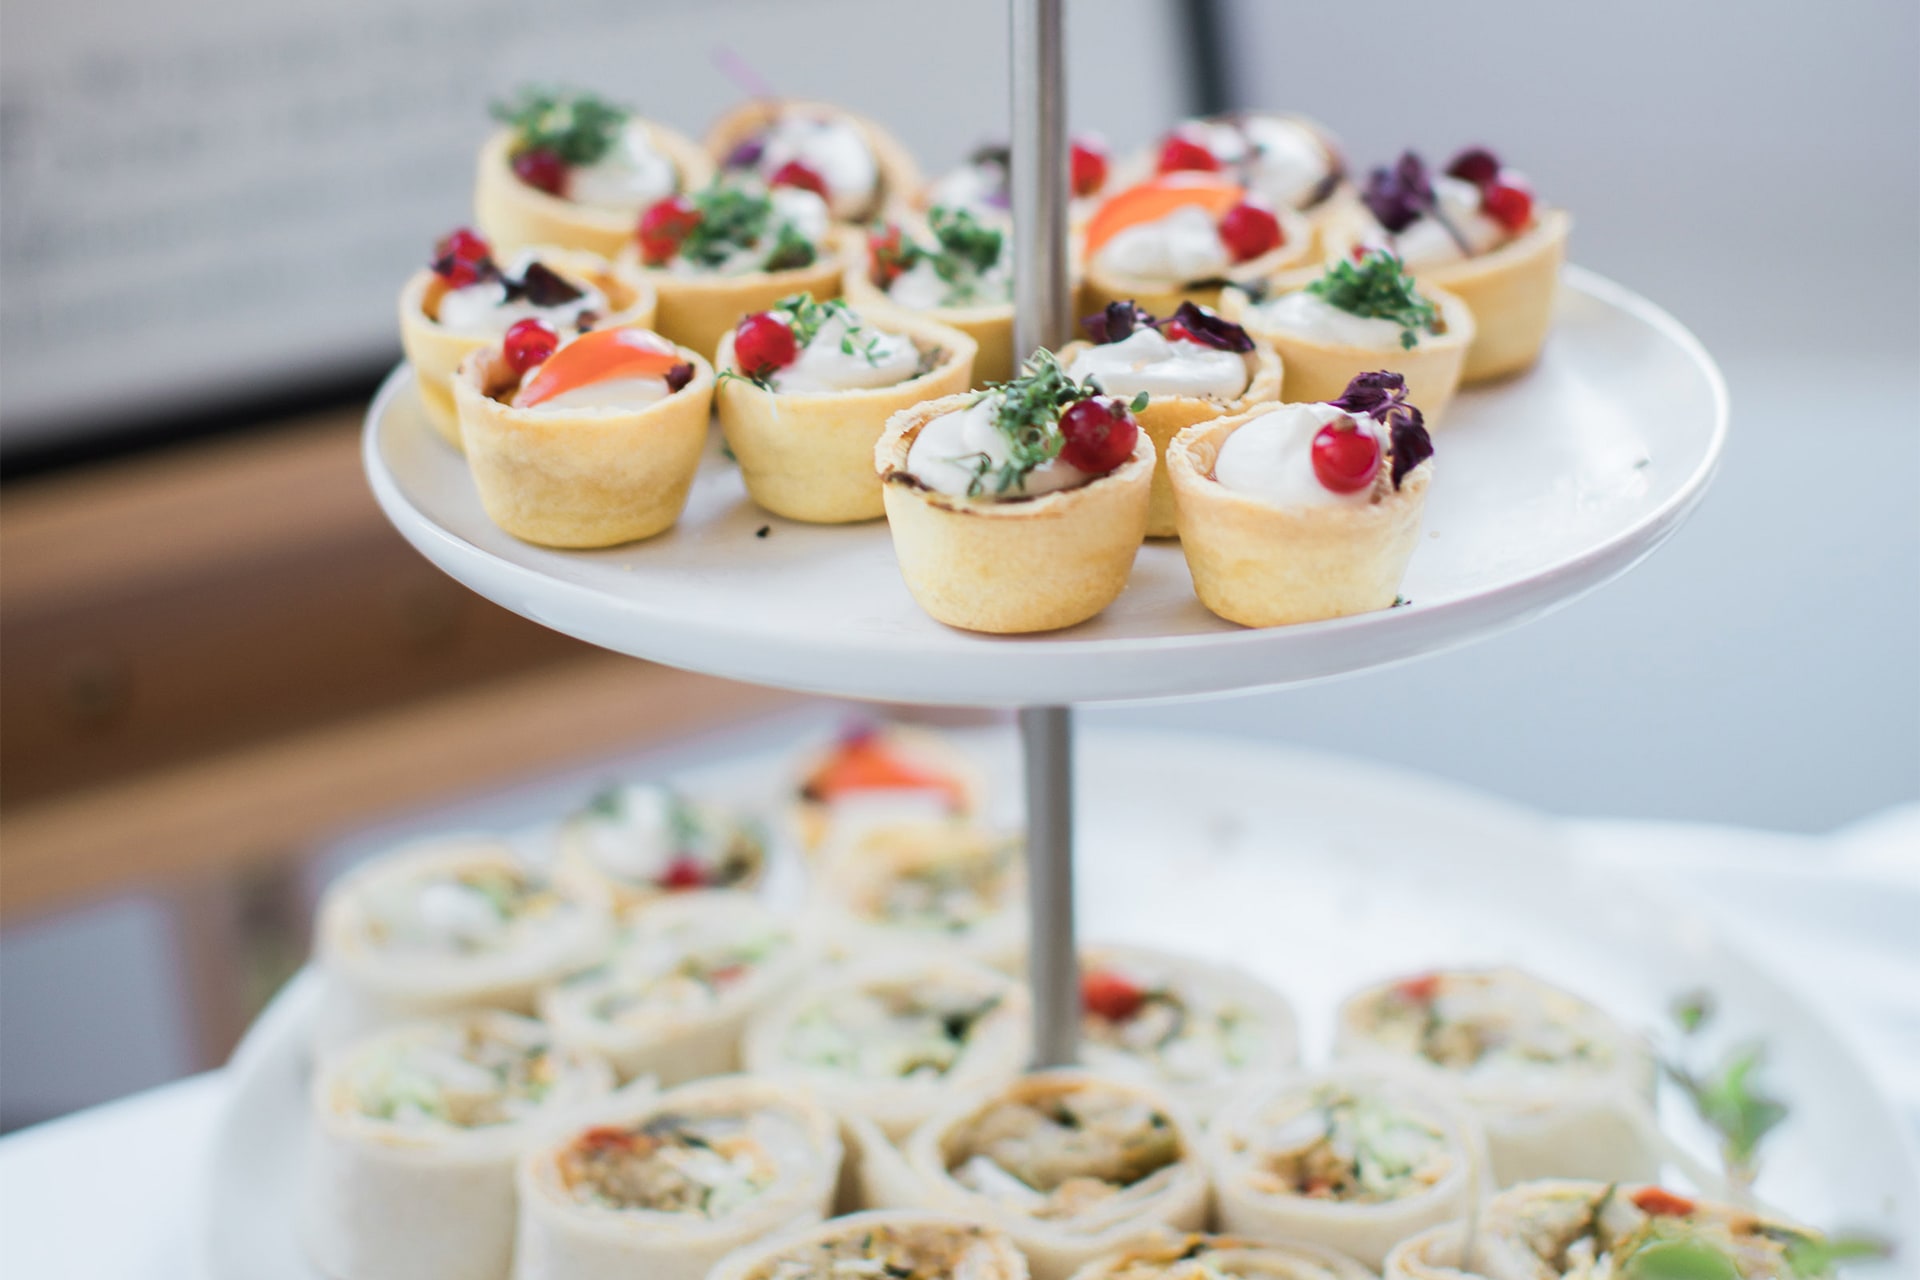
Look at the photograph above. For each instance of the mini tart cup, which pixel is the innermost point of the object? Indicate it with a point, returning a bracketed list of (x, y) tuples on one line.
[(809, 455), (435, 353), (513, 215), (1163, 297), (898, 171), (1007, 567), (698, 310), (1318, 370), (1167, 416), (991, 328), (581, 478), (1265, 566)]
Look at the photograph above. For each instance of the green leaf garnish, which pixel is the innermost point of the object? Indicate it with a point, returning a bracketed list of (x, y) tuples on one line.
[(1733, 1106), (578, 127), (731, 219), (609, 802), (1692, 1010), (1027, 412), (963, 250), (1138, 403), (1815, 1256), (1378, 288), (1679, 1260)]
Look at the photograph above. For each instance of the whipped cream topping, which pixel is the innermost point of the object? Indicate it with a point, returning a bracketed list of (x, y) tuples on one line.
[(844, 355), (1270, 458), (1426, 243), (481, 309), (794, 207), (1146, 360), (832, 147), (1312, 316), (1286, 161), (630, 176), (948, 454), (1184, 245), (980, 188), (921, 287)]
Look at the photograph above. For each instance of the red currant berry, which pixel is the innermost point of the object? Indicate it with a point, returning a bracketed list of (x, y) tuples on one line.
[(541, 169), (1089, 166), (884, 250), (1099, 435), (763, 343), (1476, 165), (1508, 202), (528, 343), (1178, 153), (683, 873), (795, 174), (1249, 231), (461, 258), (663, 226), (1110, 995), (1345, 458)]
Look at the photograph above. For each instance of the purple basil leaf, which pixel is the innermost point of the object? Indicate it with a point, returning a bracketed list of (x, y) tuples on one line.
[(542, 286), (745, 154), (679, 376), (1407, 429), (1208, 328), (1397, 197), (1370, 393), (1116, 323)]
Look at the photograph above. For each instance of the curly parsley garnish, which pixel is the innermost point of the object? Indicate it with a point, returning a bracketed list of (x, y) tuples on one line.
[(1027, 411), (964, 249), (1378, 288), (732, 219), (578, 127)]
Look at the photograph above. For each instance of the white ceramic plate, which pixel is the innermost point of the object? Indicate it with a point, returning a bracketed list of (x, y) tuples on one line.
[(1320, 874), (1546, 486)]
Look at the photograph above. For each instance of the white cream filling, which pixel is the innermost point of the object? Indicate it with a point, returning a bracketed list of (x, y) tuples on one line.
[(1184, 245), (1312, 316), (1270, 459), (1146, 361), (877, 360), (795, 207), (921, 288), (448, 914), (980, 189), (1287, 162), (639, 843), (946, 454), (1425, 243), (833, 148), (1224, 139), (630, 176), (482, 310)]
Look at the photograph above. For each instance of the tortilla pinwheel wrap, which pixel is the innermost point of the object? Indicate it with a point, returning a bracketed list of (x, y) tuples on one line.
[(1561, 1088), (444, 926), (415, 1134), (948, 887), (1348, 1158), (1198, 1257), (889, 1245), (1068, 1163), (668, 1187)]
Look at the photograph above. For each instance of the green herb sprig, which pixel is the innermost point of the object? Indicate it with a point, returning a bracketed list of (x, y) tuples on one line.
[(1378, 288), (1027, 411), (733, 218), (1726, 1095), (578, 127), (964, 249)]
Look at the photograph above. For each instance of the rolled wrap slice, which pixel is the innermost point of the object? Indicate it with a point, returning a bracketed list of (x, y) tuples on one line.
[(685, 976), (877, 775), (1354, 1160), (891, 1042), (444, 926), (953, 888), (667, 1189), (896, 1246), (642, 841), (1070, 1164), (1198, 1257), (1562, 1089), (415, 1135), (1197, 1029)]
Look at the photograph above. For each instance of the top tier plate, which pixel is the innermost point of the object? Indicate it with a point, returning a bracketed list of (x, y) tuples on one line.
[(1546, 486)]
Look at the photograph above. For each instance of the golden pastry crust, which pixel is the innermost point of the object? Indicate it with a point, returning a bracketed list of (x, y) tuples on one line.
[(1318, 370), (1104, 286), (1265, 566), (514, 216), (1033, 564), (1167, 416), (899, 173), (991, 327), (435, 353), (586, 478), (809, 455), (699, 310)]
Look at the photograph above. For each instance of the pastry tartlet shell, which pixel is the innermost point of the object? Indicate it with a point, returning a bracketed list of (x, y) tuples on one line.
[(1104, 286), (1265, 566), (514, 216), (809, 455), (899, 172), (1167, 416), (581, 478), (699, 310), (1008, 567)]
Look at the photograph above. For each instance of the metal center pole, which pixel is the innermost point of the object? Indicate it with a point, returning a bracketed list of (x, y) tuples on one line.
[(1053, 966)]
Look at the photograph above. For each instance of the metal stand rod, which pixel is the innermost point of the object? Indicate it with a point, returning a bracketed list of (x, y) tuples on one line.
[(1043, 306), (1053, 965)]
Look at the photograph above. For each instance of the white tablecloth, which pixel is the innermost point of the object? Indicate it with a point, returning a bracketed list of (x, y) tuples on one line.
[(113, 1193)]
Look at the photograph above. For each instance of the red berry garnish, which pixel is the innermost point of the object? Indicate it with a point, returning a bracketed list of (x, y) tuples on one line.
[(795, 174), (884, 250), (1655, 1201), (1089, 166), (1110, 995), (528, 343), (541, 169), (462, 258), (1249, 231), (1099, 434), (762, 343), (663, 226), (1178, 153), (683, 872), (1476, 165), (1508, 202), (1345, 458), (1420, 990), (1174, 331)]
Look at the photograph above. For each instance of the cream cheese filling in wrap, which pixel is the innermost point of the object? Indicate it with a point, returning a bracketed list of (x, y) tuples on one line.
[(881, 1246), (444, 926), (641, 841), (668, 1188), (1195, 1028), (1352, 1159), (415, 1133), (1070, 1164), (891, 1041), (685, 976), (1198, 1257), (953, 887), (1562, 1089)]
